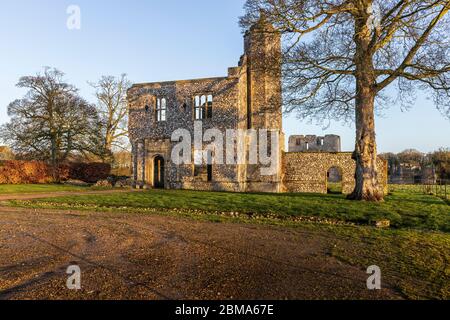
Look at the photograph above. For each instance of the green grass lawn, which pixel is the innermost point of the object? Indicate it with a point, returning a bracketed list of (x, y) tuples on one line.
[(405, 209), (39, 188), (415, 262)]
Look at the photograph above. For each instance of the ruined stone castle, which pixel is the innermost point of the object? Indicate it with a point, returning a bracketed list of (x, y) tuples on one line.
[(248, 98), (329, 143)]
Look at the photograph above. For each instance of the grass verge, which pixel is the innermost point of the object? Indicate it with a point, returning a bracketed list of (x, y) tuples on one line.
[(405, 209)]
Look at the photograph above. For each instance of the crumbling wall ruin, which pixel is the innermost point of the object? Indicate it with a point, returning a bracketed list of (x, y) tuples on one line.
[(307, 171), (312, 143)]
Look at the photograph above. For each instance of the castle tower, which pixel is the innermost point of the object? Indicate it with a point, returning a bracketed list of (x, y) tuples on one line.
[(264, 100), (263, 52)]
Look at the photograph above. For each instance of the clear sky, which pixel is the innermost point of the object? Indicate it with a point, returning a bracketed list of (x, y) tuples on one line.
[(156, 40)]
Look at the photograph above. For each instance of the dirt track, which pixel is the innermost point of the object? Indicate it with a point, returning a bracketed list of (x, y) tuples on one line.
[(133, 256)]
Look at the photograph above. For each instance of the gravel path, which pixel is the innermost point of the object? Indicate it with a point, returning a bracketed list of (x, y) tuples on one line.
[(135, 256)]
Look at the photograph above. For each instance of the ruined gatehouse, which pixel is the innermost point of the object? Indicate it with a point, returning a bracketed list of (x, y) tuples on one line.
[(248, 98)]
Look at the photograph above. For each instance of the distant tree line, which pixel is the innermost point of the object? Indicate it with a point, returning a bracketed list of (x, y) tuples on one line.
[(53, 123), (416, 161)]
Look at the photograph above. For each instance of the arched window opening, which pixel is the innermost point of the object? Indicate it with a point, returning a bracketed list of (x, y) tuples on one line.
[(158, 172)]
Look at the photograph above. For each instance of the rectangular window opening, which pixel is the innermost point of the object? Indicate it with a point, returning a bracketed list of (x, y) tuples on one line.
[(203, 107), (161, 109)]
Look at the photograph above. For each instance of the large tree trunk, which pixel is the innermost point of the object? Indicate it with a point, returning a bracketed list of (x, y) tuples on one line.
[(107, 152), (54, 163), (367, 185), (107, 155)]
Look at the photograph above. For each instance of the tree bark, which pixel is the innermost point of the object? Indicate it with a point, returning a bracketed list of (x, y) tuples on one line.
[(367, 184), (55, 165), (366, 176)]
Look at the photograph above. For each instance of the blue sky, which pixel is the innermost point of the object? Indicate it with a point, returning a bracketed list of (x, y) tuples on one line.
[(156, 40)]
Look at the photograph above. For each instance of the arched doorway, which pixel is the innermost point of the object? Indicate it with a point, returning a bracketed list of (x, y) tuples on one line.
[(334, 180), (158, 172)]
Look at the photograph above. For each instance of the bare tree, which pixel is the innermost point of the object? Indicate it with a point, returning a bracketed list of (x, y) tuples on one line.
[(340, 57), (51, 121), (111, 93), (6, 153), (441, 160)]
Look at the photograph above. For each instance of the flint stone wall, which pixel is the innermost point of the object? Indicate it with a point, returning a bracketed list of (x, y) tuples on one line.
[(307, 172), (152, 138), (180, 106)]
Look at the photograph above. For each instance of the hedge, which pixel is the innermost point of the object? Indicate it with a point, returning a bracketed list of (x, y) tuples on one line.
[(89, 172), (35, 172)]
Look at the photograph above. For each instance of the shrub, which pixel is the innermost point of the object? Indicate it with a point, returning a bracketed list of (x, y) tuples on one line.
[(24, 172), (89, 172), (35, 172)]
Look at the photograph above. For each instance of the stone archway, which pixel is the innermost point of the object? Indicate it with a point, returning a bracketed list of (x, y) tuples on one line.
[(158, 172), (335, 180)]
